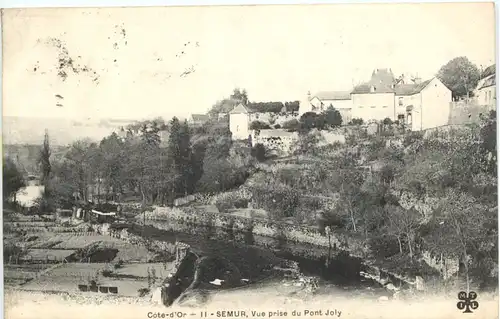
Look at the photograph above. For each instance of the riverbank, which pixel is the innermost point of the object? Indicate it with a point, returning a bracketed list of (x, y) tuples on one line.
[(30, 305), (273, 234)]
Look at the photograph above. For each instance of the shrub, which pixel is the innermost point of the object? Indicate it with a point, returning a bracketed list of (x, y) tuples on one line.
[(387, 121), (221, 174), (412, 137), (277, 126), (259, 152), (356, 121), (291, 125), (119, 264), (332, 116), (384, 246), (310, 120), (107, 273), (143, 292), (259, 125), (278, 199), (230, 201)]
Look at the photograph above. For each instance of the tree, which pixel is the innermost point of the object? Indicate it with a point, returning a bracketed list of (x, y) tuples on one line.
[(80, 169), (349, 183), (356, 121), (112, 162), (403, 223), (463, 227), (150, 134), (44, 159), (240, 95), (12, 179), (310, 120), (460, 76), (179, 148), (387, 121), (259, 152), (307, 143), (488, 138), (333, 118)]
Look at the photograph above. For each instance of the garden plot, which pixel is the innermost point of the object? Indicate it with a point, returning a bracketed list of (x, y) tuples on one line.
[(69, 276), (161, 270), (124, 251), (130, 253), (16, 274), (75, 241), (51, 255)]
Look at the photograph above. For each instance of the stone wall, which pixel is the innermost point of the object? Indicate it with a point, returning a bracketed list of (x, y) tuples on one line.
[(259, 227), (466, 112), (445, 265), (307, 241)]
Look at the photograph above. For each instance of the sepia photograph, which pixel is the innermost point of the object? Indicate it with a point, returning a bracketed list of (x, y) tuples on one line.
[(250, 161)]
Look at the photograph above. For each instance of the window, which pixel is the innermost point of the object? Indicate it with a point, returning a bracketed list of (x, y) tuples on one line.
[(237, 128), (361, 106), (385, 106), (373, 106), (401, 101)]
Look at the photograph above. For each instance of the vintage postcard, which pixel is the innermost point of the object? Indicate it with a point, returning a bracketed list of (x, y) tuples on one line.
[(265, 161)]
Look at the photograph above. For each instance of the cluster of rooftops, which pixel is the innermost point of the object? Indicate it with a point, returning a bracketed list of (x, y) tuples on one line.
[(381, 81)]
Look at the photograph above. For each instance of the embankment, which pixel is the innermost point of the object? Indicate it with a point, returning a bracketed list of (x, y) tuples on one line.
[(272, 234)]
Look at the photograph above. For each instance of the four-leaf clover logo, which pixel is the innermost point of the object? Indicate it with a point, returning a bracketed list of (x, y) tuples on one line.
[(467, 301)]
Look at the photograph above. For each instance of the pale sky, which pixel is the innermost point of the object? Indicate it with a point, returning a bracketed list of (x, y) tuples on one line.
[(277, 53)]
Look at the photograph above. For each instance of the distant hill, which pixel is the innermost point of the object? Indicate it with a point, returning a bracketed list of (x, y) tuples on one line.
[(26, 130), (26, 155), (62, 132)]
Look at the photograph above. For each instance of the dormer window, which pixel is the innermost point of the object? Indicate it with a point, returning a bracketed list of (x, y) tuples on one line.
[(372, 89)]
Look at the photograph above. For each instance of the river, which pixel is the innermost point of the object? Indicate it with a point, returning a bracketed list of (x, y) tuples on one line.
[(251, 254)]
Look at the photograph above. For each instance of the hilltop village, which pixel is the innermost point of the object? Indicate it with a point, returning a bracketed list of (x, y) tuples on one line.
[(392, 185)]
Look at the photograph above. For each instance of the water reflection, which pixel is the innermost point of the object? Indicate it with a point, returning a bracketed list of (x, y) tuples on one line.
[(251, 252)]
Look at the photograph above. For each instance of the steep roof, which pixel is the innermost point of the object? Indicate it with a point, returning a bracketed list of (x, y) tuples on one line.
[(382, 81), (489, 81), (239, 109), (410, 89), (333, 95), (227, 106), (489, 71)]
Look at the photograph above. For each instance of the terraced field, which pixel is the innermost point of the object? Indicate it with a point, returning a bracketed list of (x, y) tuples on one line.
[(129, 279)]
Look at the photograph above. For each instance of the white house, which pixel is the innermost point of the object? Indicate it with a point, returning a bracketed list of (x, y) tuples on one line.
[(485, 92), (423, 105), (239, 122), (420, 105), (320, 101)]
